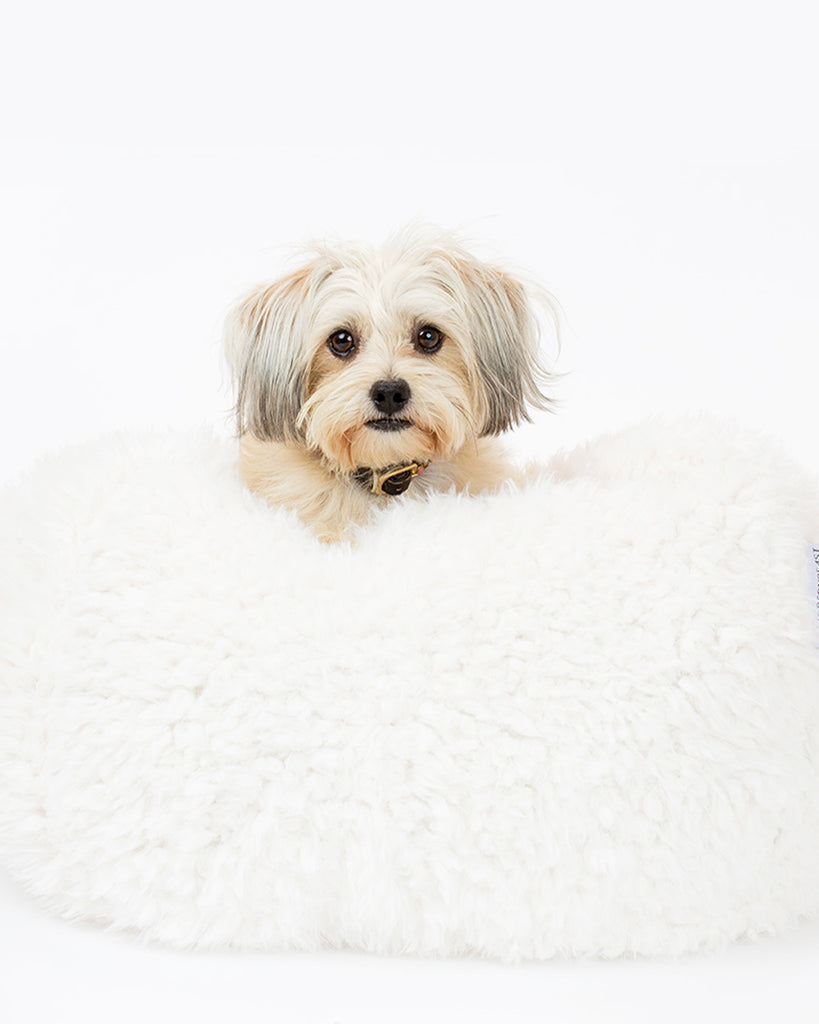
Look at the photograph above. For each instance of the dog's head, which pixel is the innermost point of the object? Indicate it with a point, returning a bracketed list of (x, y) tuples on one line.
[(377, 357)]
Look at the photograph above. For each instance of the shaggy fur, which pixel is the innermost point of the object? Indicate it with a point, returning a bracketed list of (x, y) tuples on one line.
[(306, 412), (577, 718)]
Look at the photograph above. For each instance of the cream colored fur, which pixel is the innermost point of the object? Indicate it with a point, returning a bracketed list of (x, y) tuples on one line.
[(335, 505)]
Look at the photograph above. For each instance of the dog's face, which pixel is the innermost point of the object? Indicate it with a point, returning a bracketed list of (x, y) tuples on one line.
[(377, 357)]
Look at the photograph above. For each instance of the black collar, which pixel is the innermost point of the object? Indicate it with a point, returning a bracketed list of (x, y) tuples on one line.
[(392, 480)]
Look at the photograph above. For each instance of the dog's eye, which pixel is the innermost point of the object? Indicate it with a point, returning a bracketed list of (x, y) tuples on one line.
[(342, 343), (429, 339)]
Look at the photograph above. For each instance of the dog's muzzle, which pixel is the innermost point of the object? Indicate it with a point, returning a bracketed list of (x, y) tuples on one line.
[(391, 481)]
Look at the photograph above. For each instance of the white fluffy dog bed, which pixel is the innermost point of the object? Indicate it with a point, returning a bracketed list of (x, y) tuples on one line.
[(581, 718)]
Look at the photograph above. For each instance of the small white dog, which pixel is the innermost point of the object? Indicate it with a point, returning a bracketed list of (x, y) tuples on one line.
[(366, 374)]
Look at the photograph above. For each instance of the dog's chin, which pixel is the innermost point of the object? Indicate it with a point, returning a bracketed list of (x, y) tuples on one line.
[(392, 441)]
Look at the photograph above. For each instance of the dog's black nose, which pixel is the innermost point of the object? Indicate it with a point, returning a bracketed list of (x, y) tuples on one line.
[(390, 396)]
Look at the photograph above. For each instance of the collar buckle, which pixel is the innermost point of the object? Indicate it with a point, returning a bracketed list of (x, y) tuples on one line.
[(397, 479)]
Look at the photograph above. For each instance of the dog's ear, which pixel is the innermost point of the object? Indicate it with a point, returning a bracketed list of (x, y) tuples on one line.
[(264, 339), (506, 335)]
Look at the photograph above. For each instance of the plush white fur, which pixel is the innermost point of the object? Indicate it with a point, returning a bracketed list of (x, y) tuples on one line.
[(578, 718)]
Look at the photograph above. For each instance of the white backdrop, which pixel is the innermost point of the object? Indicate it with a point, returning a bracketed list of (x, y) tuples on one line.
[(655, 168)]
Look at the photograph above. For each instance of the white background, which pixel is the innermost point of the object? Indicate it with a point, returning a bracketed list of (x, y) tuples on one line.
[(654, 166)]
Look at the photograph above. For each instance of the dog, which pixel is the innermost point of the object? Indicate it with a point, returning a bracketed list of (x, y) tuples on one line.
[(366, 374)]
